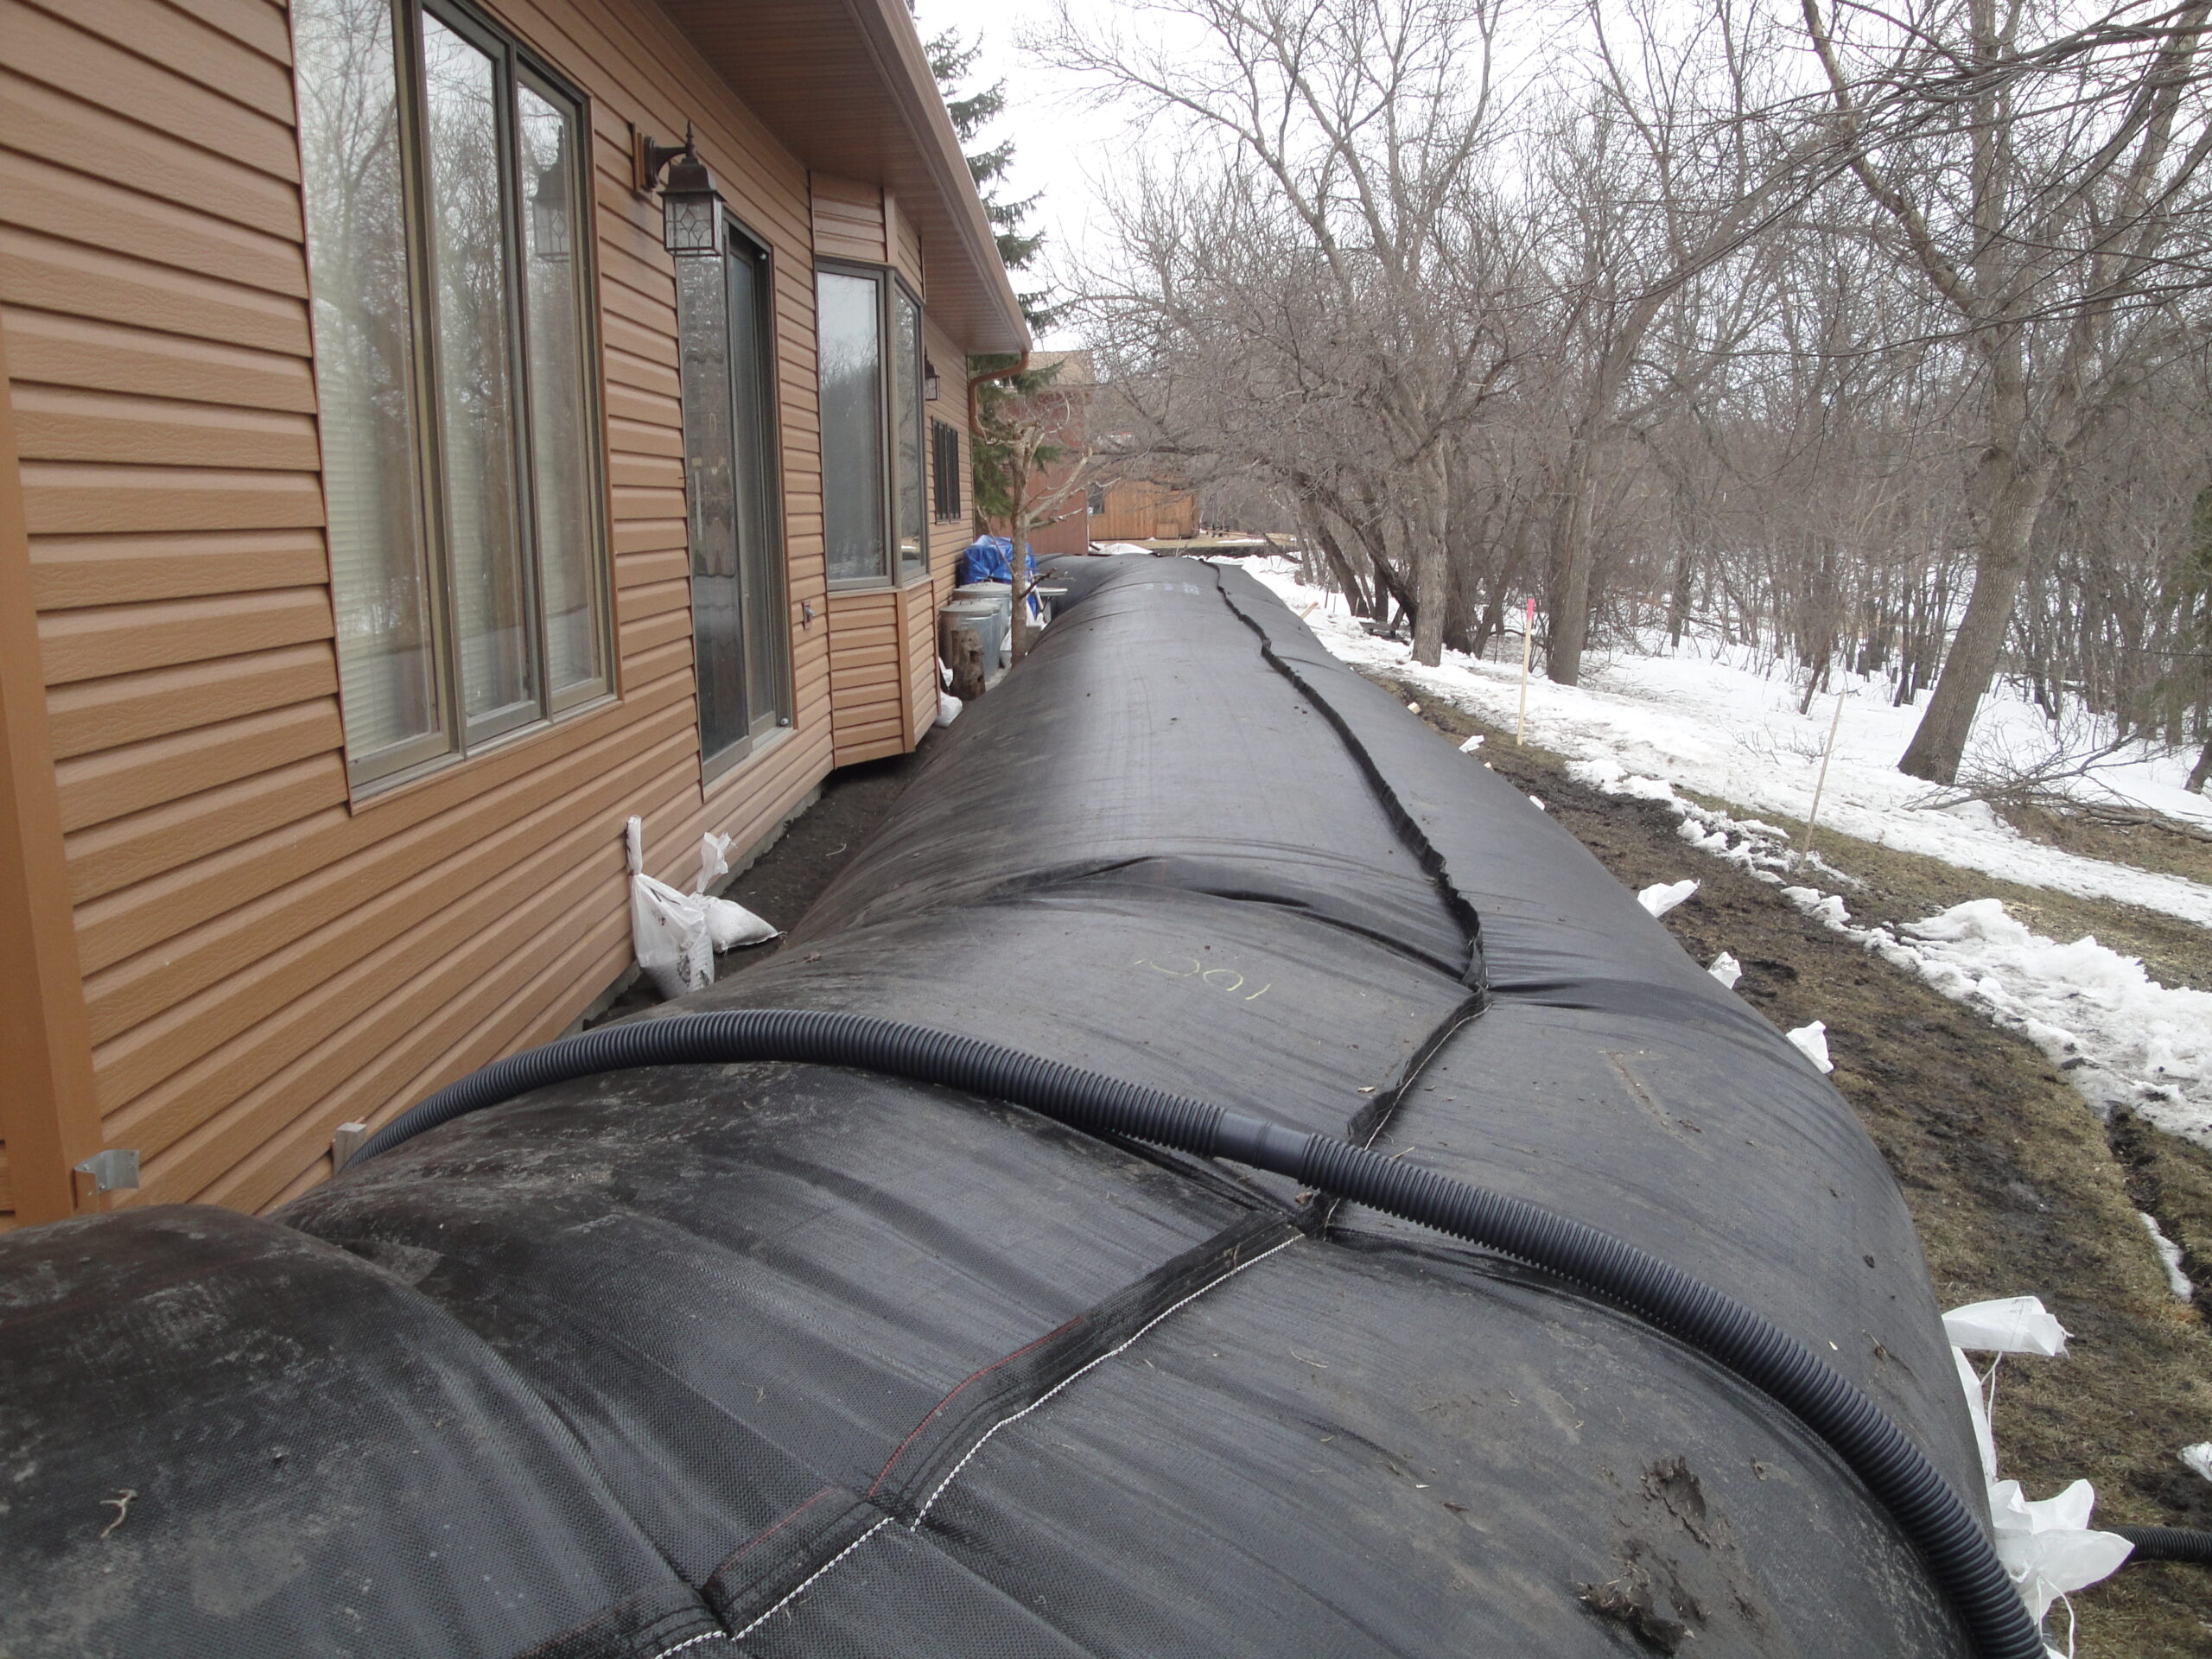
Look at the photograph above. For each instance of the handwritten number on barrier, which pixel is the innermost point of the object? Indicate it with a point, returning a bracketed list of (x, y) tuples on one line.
[(1226, 980)]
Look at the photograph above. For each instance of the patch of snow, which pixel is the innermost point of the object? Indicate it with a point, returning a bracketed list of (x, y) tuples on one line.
[(2199, 1457), (1472, 744), (2168, 1253), (1663, 896), (1537, 801), (1714, 719)]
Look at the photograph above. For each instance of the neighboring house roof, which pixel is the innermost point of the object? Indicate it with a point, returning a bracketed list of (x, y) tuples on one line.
[(1075, 368), (846, 87)]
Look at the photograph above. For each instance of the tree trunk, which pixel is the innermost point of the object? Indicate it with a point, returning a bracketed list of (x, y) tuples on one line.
[(1432, 577), (1017, 567), (1940, 740), (2202, 770), (2015, 491), (1572, 556)]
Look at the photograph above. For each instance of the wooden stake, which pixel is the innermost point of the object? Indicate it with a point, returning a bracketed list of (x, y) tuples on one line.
[(1821, 783), (1528, 646)]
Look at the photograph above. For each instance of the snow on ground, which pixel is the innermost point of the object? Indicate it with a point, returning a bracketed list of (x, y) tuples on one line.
[(1642, 726), (1709, 720)]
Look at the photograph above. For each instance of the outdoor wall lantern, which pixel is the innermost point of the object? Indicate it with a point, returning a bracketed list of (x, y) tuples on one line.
[(690, 206), (549, 216), (929, 381)]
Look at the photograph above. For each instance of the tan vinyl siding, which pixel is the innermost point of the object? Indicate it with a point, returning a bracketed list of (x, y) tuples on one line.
[(849, 221), (263, 956), (868, 654)]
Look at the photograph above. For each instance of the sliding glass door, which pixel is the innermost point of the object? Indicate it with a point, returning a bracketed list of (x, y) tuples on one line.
[(739, 625)]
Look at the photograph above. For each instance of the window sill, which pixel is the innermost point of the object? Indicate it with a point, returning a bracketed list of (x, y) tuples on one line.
[(361, 797), (714, 773)]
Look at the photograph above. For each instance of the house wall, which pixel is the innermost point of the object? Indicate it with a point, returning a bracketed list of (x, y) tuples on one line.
[(264, 955), (883, 640)]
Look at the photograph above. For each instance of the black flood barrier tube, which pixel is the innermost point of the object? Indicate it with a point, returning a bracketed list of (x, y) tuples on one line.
[(811, 1359), (1956, 1548)]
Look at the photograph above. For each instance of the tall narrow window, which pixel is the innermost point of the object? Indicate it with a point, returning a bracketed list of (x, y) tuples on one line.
[(906, 428), (849, 320), (442, 177), (945, 471), (739, 618), (352, 176), (874, 490)]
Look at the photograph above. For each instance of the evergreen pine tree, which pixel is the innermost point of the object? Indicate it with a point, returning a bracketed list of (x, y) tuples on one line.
[(999, 460)]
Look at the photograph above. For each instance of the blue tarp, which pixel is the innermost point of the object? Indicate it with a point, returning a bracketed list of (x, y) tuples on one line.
[(990, 558)]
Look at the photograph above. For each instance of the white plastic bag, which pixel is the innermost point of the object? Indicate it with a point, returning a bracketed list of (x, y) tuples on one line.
[(1812, 1041), (668, 928), (948, 708), (714, 860), (1727, 969), (2011, 1324), (1663, 896), (2047, 1544), (730, 924)]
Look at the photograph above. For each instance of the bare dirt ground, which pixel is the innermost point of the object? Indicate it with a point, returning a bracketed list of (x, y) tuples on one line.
[(2016, 1186)]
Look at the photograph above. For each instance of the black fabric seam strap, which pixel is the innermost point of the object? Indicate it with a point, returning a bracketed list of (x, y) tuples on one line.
[(1476, 973)]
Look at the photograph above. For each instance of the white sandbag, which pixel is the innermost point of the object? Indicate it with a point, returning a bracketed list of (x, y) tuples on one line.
[(948, 708), (730, 924), (1663, 896), (668, 928), (1812, 1041), (667, 932), (2048, 1547), (714, 860), (1472, 744), (1725, 968), (2011, 1324)]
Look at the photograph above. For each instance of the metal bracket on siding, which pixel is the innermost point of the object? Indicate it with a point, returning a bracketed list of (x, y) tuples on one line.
[(345, 1141), (105, 1171)]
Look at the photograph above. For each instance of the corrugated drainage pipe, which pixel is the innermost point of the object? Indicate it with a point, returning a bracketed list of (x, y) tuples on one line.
[(1951, 1541), (2167, 1544)]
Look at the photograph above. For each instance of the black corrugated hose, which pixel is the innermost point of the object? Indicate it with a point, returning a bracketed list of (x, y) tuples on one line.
[(2167, 1544), (1952, 1543)]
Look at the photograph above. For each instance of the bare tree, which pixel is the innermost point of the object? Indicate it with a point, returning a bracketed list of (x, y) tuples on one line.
[(2043, 177)]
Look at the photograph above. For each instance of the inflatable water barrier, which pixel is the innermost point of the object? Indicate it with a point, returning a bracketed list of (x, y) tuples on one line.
[(1217, 1173)]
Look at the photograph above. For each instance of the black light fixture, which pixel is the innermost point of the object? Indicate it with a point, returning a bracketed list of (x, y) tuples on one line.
[(549, 216), (690, 206), (929, 381)]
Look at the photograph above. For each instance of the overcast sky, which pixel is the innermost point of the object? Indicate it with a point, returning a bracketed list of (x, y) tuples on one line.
[(1060, 148)]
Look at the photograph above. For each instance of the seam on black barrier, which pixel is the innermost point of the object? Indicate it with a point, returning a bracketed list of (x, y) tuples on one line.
[(949, 1435), (1369, 1122), (650, 1623), (1409, 830), (781, 1563), (953, 1474), (775, 1564)]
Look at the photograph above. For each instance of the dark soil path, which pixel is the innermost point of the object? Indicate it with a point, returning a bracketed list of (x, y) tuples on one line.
[(2013, 1182), (790, 875)]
